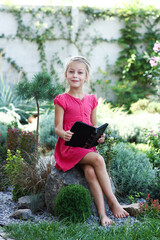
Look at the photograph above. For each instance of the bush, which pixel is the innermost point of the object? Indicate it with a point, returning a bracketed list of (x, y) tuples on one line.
[(18, 192), (129, 127), (26, 144), (48, 138), (145, 105), (14, 167), (3, 134), (25, 177), (12, 138), (131, 170), (154, 152), (73, 203), (21, 140), (154, 188)]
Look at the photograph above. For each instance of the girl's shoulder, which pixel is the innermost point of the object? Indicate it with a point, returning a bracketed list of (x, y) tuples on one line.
[(60, 100), (60, 96), (92, 99)]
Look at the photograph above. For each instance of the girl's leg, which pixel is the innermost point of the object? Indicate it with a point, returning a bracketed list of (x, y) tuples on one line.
[(97, 193), (97, 162)]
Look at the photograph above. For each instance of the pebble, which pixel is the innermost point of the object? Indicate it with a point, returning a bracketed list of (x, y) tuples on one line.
[(8, 206)]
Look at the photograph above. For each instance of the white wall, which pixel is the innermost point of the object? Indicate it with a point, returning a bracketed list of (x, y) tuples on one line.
[(26, 55)]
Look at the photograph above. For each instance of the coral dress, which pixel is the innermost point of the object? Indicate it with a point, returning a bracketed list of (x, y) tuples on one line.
[(67, 157)]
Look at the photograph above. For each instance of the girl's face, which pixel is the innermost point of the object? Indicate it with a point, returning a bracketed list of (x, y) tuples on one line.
[(76, 74)]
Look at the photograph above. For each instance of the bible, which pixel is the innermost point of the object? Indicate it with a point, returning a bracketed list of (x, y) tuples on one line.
[(85, 136)]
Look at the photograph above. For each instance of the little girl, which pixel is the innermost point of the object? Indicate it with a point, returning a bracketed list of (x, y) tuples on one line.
[(74, 106)]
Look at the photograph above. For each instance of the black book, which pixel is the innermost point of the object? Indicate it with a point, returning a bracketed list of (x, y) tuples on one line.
[(85, 136)]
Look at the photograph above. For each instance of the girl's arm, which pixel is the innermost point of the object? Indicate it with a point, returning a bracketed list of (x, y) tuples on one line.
[(94, 123), (59, 115), (94, 117)]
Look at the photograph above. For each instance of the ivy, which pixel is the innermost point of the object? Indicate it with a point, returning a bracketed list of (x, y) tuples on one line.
[(136, 46)]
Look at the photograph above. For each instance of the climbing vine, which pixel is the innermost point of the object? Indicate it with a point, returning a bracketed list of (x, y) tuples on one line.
[(57, 23)]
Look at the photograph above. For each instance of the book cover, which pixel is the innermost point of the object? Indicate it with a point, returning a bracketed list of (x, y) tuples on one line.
[(85, 136)]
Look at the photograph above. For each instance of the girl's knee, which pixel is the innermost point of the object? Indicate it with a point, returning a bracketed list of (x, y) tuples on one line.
[(89, 173), (99, 161)]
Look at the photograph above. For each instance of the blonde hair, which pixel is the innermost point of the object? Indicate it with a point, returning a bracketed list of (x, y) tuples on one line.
[(82, 60)]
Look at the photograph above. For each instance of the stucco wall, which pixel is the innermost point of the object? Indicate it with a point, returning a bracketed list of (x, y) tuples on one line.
[(26, 55)]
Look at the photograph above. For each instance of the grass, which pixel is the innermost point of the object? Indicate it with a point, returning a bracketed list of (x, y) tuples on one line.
[(146, 229)]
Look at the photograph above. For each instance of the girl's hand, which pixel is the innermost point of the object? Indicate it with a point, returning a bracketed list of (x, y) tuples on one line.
[(102, 138), (67, 135)]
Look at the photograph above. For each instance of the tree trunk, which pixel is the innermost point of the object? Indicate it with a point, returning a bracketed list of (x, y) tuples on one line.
[(37, 131)]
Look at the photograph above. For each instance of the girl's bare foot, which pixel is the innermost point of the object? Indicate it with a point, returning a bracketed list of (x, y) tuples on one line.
[(117, 210), (106, 221)]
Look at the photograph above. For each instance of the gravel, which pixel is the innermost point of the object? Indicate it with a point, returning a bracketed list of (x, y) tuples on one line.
[(8, 206)]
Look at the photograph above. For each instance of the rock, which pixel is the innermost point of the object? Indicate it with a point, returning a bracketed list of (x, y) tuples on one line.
[(57, 179), (132, 209), (33, 202), (24, 214)]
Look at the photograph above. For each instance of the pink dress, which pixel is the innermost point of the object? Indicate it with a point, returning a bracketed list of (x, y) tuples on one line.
[(67, 157)]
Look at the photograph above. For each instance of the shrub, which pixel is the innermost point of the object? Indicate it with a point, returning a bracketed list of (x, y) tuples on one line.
[(21, 140), (145, 105), (3, 155), (18, 192), (25, 177), (26, 144), (12, 138), (154, 188), (48, 138), (73, 202), (129, 127), (106, 149), (14, 167), (154, 152), (131, 170), (140, 105), (151, 208), (3, 134)]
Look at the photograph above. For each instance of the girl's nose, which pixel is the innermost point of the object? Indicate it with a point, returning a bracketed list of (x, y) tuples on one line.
[(75, 74)]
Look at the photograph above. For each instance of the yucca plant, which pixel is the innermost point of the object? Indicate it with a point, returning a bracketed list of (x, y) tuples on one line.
[(12, 104)]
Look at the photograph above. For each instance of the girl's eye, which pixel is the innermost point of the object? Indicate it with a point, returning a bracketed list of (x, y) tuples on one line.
[(80, 72), (70, 71)]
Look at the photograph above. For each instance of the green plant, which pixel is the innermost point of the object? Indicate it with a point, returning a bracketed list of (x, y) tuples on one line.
[(20, 140), (135, 197), (131, 170), (48, 138), (153, 140), (151, 208), (3, 155), (13, 167), (26, 177), (26, 144), (73, 203), (11, 104), (106, 150), (136, 45), (147, 229), (145, 105), (127, 127), (40, 88), (154, 188), (154, 61), (3, 134), (18, 192), (12, 138)]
